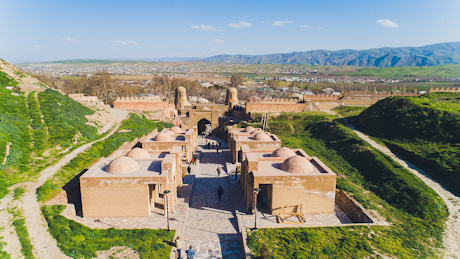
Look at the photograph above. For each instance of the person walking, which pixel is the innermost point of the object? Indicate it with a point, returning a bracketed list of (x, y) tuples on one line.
[(218, 171), (190, 253), (189, 169), (179, 244), (217, 149), (220, 192)]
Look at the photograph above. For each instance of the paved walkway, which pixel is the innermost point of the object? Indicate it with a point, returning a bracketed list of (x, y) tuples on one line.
[(210, 226)]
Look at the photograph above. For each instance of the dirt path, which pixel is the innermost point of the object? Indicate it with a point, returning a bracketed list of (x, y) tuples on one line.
[(44, 244), (452, 232)]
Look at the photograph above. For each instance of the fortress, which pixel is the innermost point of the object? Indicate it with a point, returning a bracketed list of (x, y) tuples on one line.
[(206, 115)]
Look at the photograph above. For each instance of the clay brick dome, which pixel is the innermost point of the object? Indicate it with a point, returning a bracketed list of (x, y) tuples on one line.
[(176, 129), (297, 165), (138, 153), (283, 152), (232, 90), (255, 131), (248, 129), (170, 132), (122, 165), (261, 136), (162, 137)]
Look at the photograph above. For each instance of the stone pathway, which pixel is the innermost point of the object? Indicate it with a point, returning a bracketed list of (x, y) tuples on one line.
[(210, 226)]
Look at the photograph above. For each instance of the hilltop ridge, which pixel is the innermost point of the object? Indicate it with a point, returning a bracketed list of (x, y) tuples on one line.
[(24, 81)]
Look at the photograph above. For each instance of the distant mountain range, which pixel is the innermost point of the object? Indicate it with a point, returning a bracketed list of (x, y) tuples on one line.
[(431, 55)]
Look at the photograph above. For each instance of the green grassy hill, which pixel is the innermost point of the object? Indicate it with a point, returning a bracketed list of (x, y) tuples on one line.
[(425, 130), (416, 212), (35, 128)]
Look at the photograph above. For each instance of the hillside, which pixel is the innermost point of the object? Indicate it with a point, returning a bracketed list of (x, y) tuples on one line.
[(431, 55), (19, 78), (416, 212), (425, 130), (36, 127)]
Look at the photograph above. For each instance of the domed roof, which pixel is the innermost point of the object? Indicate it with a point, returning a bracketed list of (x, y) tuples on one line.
[(138, 153), (248, 129), (170, 132), (162, 137), (232, 89), (176, 129), (297, 165), (122, 165), (261, 136), (283, 152), (205, 108), (255, 131), (181, 89)]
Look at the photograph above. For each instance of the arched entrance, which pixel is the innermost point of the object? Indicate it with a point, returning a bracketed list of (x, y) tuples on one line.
[(204, 125)]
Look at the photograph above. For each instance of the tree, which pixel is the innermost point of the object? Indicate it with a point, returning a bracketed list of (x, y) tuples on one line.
[(236, 80), (272, 83)]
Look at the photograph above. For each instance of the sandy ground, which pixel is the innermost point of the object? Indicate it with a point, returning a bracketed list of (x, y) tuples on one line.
[(44, 244), (452, 233)]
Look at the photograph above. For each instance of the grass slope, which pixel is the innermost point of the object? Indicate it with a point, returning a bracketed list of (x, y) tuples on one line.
[(28, 135), (377, 182), (78, 241), (425, 130)]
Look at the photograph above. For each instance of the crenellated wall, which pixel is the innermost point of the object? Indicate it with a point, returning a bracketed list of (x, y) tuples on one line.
[(146, 104), (444, 89)]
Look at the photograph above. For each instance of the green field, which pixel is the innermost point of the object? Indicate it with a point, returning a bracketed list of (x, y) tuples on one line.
[(402, 72)]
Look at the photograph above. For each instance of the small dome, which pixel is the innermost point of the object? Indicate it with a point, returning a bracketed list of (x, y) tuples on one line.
[(162, 137), (232, 90), (169, 132), (176, 129), (205, 108), (261, 136), (122, 165), (248, 129), (283, 152), (255, 131), (297, 165), (138, 153), (181, 89)]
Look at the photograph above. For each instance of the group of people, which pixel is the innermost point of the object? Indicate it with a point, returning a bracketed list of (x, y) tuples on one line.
[(190, 252), (213, 145)]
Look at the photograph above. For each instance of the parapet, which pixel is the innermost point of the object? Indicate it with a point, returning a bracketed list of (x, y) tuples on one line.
[(444, 89), (140, 99)]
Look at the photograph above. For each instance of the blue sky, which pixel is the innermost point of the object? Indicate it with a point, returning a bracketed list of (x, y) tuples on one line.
[(44, 30)]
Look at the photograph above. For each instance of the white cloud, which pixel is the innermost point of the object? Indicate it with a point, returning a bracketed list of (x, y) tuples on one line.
[(387, 23), (70, 39), (218, 41), (239, 25), (280, 23), (204, 27), (304, 26), (121, 42), (319, 27)]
